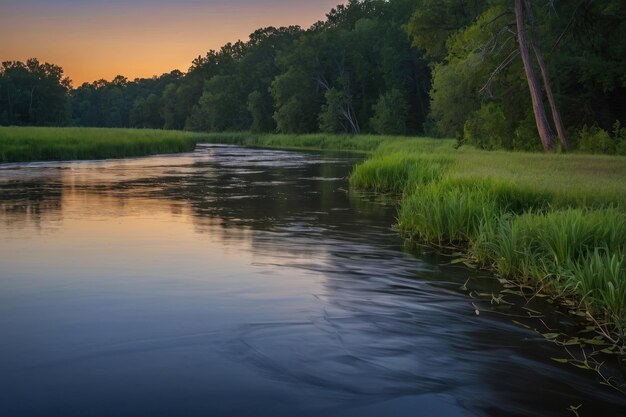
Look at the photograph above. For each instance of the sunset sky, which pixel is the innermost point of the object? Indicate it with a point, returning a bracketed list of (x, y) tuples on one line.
[(93, 39)]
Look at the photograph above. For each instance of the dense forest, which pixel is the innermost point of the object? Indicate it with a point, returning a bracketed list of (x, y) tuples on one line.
[(514, 74)]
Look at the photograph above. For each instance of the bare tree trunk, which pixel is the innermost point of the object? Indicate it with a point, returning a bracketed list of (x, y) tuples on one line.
[(347, 111), (347, 108), (556, 116), (543, 127)]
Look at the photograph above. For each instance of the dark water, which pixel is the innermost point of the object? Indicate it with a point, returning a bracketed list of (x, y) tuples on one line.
[(239, 282)]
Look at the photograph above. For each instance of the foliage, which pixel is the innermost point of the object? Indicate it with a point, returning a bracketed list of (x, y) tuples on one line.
[(260, 107), (390, 114), (596, 140), (147, 113), (219, 108), (487, 128), (33, 93), (330, 116), (297, 103), (476, 62), (434, 21)]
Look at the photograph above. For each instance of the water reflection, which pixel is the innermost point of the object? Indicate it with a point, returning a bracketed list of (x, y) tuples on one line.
[(39, 207), (245, 282)]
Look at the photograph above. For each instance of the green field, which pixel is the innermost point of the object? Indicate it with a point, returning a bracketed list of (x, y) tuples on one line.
[(23, 144), (551, 221)]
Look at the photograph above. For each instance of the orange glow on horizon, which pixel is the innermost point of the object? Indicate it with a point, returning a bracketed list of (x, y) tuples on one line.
[(99, 42)]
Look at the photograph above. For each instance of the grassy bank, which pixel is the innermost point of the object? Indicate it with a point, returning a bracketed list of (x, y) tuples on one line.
[(554, 222), (21, 144)]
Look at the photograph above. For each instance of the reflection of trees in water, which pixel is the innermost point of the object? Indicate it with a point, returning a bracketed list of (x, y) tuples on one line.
[(253, 197), (283, 196), (31, 203)]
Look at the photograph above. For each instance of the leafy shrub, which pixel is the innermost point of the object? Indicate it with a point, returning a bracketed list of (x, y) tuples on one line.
[(487, 128), (619, 133), (390, 113), (595, 140), (526, 137)]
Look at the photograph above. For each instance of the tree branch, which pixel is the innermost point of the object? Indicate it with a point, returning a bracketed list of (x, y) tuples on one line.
[(499, 68)]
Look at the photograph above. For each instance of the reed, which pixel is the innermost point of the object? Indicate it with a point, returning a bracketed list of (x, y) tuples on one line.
[(599, 279), (446, 213), (392, 173)]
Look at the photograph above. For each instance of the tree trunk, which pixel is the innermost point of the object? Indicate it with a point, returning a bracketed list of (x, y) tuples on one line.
[(556, 116), (348, 113), (543, 127)]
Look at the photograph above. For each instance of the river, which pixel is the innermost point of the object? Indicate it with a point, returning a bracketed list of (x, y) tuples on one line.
[(244, 282)]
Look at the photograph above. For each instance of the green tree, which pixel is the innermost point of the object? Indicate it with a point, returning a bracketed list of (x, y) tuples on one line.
[(33, 93), (390, 114), (220, 107), (477, 46), (296, 101), (331, 118), (261, 109), (146, 112)]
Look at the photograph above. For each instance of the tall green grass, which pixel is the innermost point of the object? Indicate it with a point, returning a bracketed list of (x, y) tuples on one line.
[(521, 236), (445, 214), (21, 144), (392, 173), (546, 245), (599, 278)]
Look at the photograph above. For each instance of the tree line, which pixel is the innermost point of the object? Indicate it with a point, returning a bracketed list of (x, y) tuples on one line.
[(515, 74)]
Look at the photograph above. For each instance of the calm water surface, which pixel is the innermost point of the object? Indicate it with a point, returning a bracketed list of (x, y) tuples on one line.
[(242, 282)]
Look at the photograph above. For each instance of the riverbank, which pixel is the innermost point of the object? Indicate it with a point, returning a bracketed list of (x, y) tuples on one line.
[(555, 223), (25, 144)]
